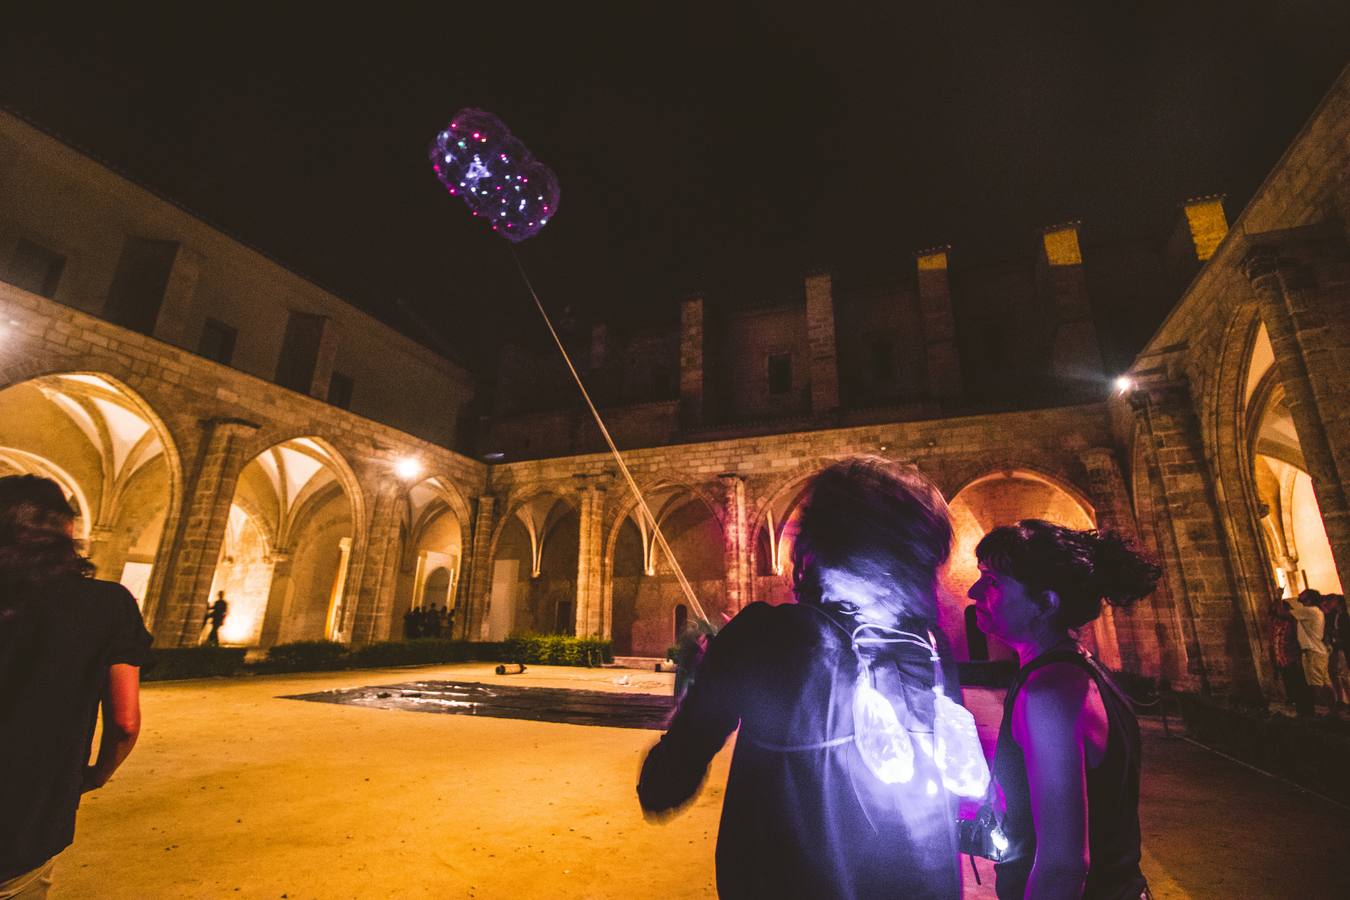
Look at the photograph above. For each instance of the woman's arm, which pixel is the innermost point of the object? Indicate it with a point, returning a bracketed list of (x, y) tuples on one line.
[(1050, 723), (121, 723)]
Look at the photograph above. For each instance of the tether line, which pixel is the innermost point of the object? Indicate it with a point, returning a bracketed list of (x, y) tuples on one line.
[(614, 450)]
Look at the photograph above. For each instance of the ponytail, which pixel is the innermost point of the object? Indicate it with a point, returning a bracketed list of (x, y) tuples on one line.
[(1082, 567)]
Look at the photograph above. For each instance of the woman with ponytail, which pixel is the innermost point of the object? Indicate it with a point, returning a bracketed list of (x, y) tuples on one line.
[(67, 643), (1068, 749)]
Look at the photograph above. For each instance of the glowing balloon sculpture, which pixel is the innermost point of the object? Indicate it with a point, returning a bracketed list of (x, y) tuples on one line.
[(884, 743), (479, 160)]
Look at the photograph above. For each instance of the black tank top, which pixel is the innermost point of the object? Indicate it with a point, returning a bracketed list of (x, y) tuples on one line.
[(1113, 795)]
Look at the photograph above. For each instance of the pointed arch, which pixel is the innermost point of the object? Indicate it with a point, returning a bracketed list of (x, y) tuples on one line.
[(120, 434)]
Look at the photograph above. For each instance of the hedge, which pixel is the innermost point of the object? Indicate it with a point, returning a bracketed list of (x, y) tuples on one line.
[(306, 656), (557, 650), (328, 656), (193, 662)]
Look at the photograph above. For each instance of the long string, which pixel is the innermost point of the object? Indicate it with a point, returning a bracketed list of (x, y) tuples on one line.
[(614, 450)]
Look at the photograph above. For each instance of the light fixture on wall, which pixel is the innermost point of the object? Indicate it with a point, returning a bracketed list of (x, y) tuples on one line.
[(407, 468), (1124, 384)]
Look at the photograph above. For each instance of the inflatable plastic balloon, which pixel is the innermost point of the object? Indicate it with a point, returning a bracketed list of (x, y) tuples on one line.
[(478, 160), (958, 753), (884, 743), (881, 740)]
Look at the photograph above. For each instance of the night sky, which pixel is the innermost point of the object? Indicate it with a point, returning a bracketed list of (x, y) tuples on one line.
[(725, 147)]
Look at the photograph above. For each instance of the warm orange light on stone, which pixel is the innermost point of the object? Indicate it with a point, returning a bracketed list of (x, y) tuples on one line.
[(1208, 225), (1061, 246), (932, 260)]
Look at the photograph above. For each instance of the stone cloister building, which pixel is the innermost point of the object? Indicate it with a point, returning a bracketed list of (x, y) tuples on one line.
[(222, 424)]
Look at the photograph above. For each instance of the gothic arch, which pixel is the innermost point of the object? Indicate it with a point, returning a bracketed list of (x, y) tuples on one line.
[(1002, 497), (290, 581), (125, 434), (640, 597)]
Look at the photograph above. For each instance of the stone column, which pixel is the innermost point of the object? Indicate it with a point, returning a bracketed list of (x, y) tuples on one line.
[(736, 536), (474, 619), (1200, 580), (195, 550), (279, 595), (1075, 354), (332, 627), (1135, 634), (368, 603), (419, 580), (823, 353), (942, 362), (1301, 280), (693, 381), (590, 617), (99, 550)]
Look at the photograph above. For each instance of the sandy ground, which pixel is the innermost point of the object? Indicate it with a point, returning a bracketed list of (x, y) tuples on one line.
[(234, 792)]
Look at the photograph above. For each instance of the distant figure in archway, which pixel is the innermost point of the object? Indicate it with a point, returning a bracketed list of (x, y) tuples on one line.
[(67, 642), (1068, 747), (215, 615), (1310, 627), (810, 809)]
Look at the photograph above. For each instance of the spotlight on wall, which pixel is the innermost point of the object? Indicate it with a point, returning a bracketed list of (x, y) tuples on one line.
[(407, 468), (1124, 384)]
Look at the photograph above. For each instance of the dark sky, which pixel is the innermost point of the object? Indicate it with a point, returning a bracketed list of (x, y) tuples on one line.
[(727, 147)]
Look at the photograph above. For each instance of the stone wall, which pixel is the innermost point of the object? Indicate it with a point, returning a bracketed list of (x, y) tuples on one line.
[(213, 420)]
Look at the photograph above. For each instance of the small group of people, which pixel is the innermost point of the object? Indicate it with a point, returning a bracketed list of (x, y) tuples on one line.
[(428, 622), (1310, 640), (830, 795)]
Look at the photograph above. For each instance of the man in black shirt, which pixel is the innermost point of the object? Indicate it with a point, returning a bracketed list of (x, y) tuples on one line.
[(67, 643)]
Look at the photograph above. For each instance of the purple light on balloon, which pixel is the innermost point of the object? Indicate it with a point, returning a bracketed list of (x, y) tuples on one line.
[(499, 160)]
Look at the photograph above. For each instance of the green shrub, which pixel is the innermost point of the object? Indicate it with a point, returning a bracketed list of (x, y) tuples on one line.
[(306, 656), (423, 651), (174, 663), (557, 650)]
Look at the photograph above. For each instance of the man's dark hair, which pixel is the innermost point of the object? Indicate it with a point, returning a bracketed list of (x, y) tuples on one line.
[(877, 521), (35, 541), (1309, 596)]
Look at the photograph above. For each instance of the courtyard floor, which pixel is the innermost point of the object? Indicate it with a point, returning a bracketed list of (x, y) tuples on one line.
[(234, 792)]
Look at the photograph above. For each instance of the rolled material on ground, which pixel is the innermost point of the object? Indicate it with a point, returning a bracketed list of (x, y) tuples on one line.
[(510, 668)]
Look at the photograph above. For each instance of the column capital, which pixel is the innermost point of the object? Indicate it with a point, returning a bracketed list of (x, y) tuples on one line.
[(230, 425), (1093, 457), (1295, 255), (588, 482)]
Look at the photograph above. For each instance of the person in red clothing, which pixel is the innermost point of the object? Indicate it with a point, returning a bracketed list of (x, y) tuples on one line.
[(68, 642)]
